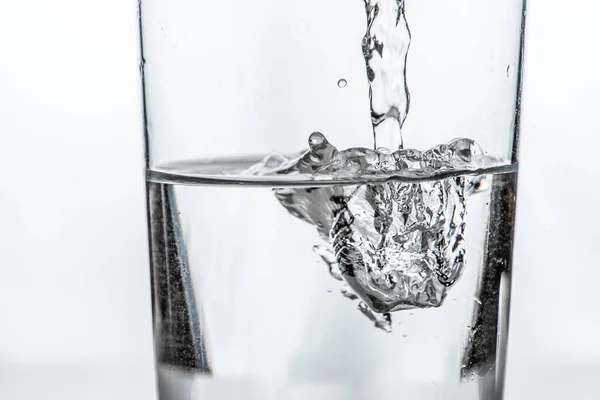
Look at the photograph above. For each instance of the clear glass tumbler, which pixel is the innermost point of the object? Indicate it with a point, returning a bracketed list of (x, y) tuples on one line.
[(331, 196)]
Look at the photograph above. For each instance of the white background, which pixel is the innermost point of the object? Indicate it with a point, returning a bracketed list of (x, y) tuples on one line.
[(74, 283)]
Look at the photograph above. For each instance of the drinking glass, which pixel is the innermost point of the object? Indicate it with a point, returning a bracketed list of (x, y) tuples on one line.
[(331, 192)]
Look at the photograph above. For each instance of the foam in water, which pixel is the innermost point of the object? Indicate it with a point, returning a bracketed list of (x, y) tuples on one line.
[(395, 245)]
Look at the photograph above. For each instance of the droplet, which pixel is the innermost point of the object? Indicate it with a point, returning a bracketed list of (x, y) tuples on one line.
[(342, 83), (510, 71), (141, 65), (316, 139)]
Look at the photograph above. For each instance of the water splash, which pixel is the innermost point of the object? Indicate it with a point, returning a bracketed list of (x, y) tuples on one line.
[(322, 158), (396, 245)]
